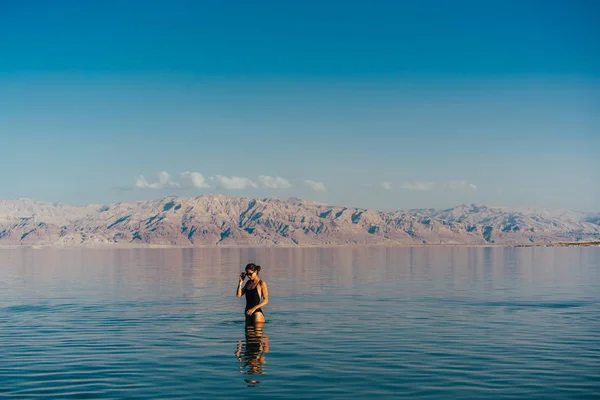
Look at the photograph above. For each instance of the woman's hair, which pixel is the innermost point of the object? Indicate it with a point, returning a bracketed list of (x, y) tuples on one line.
[(253, 267)]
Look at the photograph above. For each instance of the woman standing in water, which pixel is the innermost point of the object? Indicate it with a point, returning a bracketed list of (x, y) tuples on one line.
[(257, 294)]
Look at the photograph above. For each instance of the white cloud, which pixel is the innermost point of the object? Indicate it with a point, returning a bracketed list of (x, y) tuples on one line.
[(456, 185), (386, 185), (193, 179), (431, 185), (460, 185), (163, 179), (418, 185), (316, 186), (274, 182), (234, 182)]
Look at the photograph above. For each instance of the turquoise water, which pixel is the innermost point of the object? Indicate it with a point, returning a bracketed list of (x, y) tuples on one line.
[(434, 323)]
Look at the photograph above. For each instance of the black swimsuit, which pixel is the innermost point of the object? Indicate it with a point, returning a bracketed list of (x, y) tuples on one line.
[(253, 298)]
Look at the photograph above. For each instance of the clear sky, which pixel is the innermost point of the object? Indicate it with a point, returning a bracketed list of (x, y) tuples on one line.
[(379, 104)]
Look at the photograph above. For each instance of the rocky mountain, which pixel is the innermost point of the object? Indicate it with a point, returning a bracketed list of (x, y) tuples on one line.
[(223, 220)]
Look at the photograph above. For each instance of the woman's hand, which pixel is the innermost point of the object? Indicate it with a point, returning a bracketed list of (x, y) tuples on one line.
[(250, 312), (239, 291)]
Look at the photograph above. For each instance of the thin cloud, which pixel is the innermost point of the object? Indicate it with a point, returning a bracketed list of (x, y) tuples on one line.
[(460, 185), (276, 182), (316, 186), (163, 179), (431, 185), (418, 185), (193, 179), (234, 182), (386, 185)]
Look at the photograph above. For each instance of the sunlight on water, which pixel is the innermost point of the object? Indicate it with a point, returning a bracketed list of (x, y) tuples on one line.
[(341, 323)]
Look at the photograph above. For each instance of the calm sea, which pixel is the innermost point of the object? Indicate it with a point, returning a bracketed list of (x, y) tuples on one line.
[(345, 323)]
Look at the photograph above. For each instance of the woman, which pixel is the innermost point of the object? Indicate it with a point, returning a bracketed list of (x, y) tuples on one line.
[(255, 289)]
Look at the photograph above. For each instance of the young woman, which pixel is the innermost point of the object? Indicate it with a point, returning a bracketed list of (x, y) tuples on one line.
[(257, 294)]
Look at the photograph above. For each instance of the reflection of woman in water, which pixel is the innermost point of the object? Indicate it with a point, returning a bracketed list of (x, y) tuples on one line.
[(257, 294), (251, 353)]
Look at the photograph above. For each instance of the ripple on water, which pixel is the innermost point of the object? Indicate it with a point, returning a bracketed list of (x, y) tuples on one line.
[(389, 329)]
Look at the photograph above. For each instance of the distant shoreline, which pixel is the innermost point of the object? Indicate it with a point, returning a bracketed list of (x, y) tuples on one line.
[(270, 246), (226, 221)]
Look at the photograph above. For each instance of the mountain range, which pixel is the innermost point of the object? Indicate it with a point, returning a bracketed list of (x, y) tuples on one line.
[(223, 220)]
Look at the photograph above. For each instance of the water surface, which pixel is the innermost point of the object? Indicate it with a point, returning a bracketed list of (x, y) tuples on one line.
[(342, 323)]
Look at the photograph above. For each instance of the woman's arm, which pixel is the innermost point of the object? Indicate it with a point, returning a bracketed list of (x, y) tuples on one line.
[(240, 289), (265, 296)]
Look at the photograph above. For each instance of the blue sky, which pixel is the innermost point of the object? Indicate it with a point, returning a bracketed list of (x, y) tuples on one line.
[(382, 104)]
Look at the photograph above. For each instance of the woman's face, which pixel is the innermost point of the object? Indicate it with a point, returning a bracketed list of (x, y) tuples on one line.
[(249, 273)]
